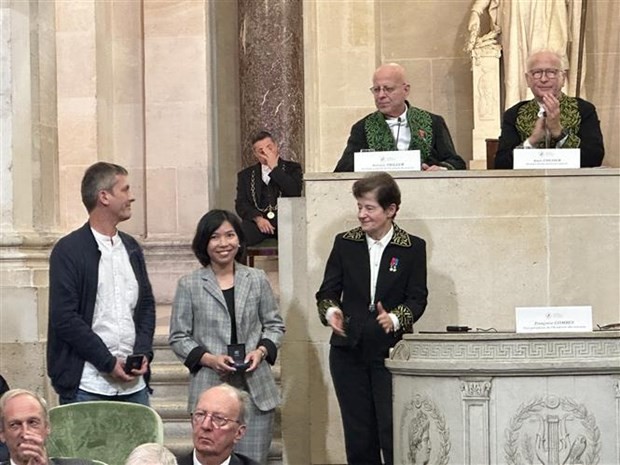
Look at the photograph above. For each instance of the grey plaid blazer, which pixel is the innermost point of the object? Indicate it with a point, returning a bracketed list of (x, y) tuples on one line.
[(200, 318)]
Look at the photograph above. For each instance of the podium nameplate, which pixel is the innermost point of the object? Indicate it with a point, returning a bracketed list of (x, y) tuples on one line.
[(554, 319), (397, 160), (546, 159)]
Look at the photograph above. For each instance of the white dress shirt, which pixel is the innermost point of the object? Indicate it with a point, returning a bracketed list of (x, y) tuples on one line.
[(117, 296), (400, 131), (265, 172)]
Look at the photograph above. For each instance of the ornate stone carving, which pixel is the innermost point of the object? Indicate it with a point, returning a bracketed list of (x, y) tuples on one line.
[(425, 437), (401, 352), (551, 431), (479, 388)]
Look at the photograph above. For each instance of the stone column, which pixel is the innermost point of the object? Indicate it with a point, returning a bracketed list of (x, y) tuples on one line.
[(487, 107), (29, 186), (271, 74)]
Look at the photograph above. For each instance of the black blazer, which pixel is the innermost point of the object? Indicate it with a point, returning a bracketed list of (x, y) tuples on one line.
[(589, 134), (287, 176), (401, 286), (235, 459)]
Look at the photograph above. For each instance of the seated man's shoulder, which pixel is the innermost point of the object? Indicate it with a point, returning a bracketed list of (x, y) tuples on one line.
[(246, 171), (240, 459), (71, 462)]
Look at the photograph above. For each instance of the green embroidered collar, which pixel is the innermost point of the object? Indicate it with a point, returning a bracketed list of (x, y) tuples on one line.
[(380, 138), (400, 237), (527, 115)]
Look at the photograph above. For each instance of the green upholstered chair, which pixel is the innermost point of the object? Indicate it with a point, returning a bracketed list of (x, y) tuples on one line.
[(102, 430)]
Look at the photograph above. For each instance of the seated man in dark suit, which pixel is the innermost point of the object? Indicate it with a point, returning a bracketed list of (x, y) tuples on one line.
[(396, 125), (259, 187), (25, 426), (551, 119), (218, 423)]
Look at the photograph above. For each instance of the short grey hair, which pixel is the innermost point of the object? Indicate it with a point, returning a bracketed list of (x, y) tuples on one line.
[(151, 453), (12, 393), (99, 177)]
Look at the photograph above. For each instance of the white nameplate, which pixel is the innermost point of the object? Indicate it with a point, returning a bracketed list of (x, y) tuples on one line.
[(553, 319), (546, 159), (397, 160)]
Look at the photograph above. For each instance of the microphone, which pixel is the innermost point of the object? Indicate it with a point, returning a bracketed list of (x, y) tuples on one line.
[(547, 132), (398, 132)]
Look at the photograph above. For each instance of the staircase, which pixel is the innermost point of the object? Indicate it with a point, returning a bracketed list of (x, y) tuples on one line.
[(169, 380)]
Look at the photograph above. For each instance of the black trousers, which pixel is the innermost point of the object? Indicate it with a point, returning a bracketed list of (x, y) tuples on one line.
[(364, 390), (253, 235)]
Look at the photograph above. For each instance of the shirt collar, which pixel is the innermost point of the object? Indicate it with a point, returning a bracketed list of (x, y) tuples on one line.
[(105, 239), (399, 119), (384, 241), (196, 462)]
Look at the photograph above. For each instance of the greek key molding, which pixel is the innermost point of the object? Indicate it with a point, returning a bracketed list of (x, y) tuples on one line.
[(513, 350)]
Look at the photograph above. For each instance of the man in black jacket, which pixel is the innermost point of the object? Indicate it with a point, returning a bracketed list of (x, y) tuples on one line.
[(259, 187), (551, 119), (218, 423), (101, 306), (396, 125)]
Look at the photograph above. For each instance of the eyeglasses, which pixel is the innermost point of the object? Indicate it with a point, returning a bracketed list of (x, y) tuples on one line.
[(218, 421), (376, 90), (551, 73)]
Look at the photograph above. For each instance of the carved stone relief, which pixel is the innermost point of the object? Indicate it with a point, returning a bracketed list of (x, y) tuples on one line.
[(552, 430), (425, 437)]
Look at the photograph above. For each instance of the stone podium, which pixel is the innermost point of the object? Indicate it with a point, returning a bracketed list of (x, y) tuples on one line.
[(506, 398)]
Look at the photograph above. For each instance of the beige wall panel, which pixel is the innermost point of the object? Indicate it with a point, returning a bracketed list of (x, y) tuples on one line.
[(174, 69), (162, 200), (170, 18), (566, 200), (422, 29), (581, 250), (173, 130), (420, 74), (75, 16), (335, 128), (76, 64), (610, 125), (70, 202), (192, 197), (23, 365), (327, 440)]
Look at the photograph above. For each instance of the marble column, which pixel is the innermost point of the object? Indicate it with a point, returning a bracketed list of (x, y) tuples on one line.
[(271, 74)]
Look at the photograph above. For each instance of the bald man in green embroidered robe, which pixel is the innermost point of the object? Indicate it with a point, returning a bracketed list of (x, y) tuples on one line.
[(551, 119), (396, 125)]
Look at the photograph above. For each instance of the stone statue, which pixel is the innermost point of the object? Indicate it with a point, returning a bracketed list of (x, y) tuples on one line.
[(521, 27)]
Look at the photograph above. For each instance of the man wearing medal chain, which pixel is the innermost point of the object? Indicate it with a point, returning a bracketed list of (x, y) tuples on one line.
[(259, 187)]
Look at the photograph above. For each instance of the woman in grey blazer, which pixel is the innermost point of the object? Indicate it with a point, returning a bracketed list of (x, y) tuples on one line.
[(225, 303)]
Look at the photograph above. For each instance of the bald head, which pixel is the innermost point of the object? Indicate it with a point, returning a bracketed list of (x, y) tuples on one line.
[(392, 70), (390, 89)]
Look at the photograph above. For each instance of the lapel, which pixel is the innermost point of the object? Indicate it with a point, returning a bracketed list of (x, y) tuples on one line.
[(211, 285), (257, 176), (242, 291)]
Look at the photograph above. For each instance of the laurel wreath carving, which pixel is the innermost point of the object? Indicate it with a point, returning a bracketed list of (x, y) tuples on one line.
[(428, 406), (579, 411)]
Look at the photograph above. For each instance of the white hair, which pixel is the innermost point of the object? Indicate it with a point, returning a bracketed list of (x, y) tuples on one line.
[(151, 454)]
